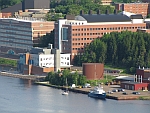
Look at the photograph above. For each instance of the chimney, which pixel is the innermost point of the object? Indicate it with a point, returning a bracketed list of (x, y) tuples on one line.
[(81, 12), (90, 12), (115, 11), (106, 12), (98, 12)]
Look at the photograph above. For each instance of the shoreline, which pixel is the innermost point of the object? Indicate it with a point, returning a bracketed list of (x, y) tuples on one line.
[(18, 75), (37, 79), (108, 96)]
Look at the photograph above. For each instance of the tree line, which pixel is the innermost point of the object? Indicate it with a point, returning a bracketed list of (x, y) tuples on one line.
[(59, 78), (7, 3), (120, 49), (60, 8)]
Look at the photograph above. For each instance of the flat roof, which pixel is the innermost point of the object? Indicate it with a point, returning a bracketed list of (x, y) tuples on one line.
[(90, 18), (128, 82), (23, 20)]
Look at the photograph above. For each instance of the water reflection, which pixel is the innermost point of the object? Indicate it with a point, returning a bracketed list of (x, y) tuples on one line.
[(26, 83)]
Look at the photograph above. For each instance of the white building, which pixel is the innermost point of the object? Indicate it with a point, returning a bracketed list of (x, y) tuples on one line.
[(43, 60)]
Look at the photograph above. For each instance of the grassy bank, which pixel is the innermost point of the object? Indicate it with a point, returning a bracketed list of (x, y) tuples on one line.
[(8, 62), (144, 98)]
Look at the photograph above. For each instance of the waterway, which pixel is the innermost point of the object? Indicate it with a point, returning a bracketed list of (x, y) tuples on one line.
[(21, 96)]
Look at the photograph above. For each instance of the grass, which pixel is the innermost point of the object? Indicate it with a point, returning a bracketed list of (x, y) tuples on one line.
[(144, 98)]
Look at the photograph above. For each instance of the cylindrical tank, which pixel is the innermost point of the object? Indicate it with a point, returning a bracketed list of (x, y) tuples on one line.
[(93, 71)]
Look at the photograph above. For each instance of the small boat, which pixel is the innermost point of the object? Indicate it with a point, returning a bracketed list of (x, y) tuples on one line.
[(97, 92), (66, 91)]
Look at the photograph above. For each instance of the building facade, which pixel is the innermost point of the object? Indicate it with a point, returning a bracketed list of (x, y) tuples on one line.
[(41, 61), (93, 71), (19, 35), (72, 35), (106, 2), (141, 80), (136, 8)]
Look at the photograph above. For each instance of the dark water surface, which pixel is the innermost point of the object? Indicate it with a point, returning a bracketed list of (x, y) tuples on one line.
[(20, 96)]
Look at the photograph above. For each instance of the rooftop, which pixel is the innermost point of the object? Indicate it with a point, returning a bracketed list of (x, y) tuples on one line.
[(133, 82), (91, 18), (26, 19)]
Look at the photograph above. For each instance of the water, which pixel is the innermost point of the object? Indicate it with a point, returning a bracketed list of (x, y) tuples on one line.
[(21, 96)]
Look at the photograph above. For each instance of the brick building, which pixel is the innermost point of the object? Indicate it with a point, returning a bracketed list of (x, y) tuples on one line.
[(19, 35), (141, 80), (5, 15), (136, 8), (73, 34)]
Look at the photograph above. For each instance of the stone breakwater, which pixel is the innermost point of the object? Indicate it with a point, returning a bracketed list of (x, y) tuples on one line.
[(29, 77)]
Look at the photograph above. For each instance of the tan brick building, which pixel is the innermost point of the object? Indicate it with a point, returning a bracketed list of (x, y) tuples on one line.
[(71, 36), (19, 35), (136, 8), (106, 2)]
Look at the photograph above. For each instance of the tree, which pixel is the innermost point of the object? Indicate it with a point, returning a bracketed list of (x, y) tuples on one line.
[(121, 49), (46, 39)]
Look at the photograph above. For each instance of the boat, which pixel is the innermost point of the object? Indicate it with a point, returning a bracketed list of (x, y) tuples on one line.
[(66, 91), (97, 92)]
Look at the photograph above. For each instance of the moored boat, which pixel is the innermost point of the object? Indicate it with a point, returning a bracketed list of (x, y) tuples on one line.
[(66, 91), (97, 92)]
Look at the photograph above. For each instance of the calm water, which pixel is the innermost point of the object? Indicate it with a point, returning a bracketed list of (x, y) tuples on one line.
[(19, 96)]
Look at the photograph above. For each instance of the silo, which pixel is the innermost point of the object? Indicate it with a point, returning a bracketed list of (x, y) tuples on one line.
[(93, 71)]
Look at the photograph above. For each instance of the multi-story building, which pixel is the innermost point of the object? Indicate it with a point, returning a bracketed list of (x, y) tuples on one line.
[(27, 4), (43, 60), (106, 2), (136, 8), (5, 15), (71, 36), (19, 35)]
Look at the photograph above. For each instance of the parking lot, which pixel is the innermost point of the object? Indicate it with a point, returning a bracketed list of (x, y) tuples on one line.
[(128, 92)]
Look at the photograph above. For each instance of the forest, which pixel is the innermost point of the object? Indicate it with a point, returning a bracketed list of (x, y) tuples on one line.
[(124, 49), (7, 3)]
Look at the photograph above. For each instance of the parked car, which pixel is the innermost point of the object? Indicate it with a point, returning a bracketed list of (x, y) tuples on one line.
[(124, 93), (114, 90), (86, 86), (136, 93), (110, 92), (121, 90)]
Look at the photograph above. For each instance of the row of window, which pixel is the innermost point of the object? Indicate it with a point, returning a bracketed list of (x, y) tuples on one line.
[(16, 40), (52, 58), (77, 44), (17, 32), (65, 63), (8, 44), (15, 27), (77, 48), (51, 64), (111, 28), (76, 39), (86, 34), (15, 36)]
